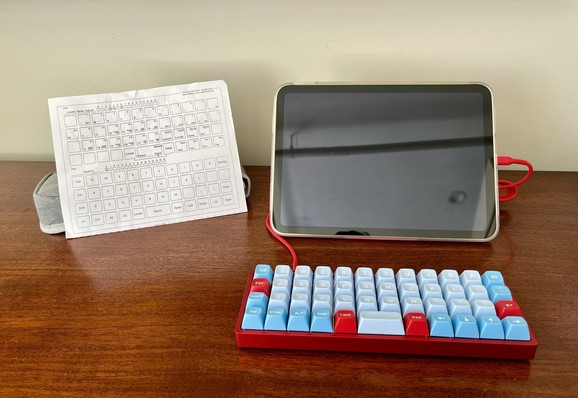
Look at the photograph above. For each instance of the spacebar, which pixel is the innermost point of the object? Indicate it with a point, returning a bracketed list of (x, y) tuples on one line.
[(157, 211)]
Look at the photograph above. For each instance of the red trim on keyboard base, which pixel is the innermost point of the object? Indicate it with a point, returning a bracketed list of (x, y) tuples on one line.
[(410, 345)]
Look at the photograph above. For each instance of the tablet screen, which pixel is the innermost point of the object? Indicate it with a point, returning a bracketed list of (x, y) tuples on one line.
[(384, 161)]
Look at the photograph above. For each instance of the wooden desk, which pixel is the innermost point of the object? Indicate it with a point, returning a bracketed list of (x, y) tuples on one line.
[(152, 312)]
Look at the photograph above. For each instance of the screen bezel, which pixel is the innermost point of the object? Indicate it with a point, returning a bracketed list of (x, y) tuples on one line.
[(387, 233)]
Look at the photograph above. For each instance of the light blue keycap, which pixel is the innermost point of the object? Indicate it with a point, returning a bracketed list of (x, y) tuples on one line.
[(300, 300), (344, 287), (386, 289), (453, 291), (366, 303), (323, 272), (483, 307), (303, 272), (264, 271), (301, 286), (427, 276), (516, 328), (431, 290), (384, 275), (322, 302), (490, 327), (389, 304), (459, 306), (283, 271), (343, 274), (321, 321), (411, 304), (499, 293), (476, 292), (408, 290), (279, 300), (465, 326), (276, 319), (344, 302), (364, 274), (448, 276), (281, 285), (257, 299), (470, 277), (440, 325), (298, 320), (322, 286), (435, 305), (365, 288), (492, 278), (405, 275), (253, 319)]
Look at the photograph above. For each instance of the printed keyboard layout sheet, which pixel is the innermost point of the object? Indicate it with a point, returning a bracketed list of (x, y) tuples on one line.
[(144, 158)]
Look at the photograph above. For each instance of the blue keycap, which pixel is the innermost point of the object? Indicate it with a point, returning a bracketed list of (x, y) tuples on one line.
[(253, 319), (257, 299), (298, 320), (276, 319), (516, 328), (490, 327), (465, 326), (499, 293), (264, 271), (440, 325), (321, 321), (492, 278)]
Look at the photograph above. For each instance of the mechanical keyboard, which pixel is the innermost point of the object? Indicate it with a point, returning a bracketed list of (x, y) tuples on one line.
[(403, 312)]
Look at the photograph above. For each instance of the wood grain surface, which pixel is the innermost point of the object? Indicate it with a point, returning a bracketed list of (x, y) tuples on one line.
[(151, 312)]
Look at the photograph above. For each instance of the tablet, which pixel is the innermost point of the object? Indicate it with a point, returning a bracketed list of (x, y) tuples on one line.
[(384, 161)]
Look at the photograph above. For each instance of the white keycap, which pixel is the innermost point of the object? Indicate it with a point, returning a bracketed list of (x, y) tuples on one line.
[(470, 277), (405, 275), (459, 306), (344, 302), (411, 304), (427, 276), (366, 303), (384, 275), (476, 292), (380, 322), (302, 286), (483, 307), (448, 276), (389, 304)]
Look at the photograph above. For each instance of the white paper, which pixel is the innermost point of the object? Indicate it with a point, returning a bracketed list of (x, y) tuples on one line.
[(145, 158)]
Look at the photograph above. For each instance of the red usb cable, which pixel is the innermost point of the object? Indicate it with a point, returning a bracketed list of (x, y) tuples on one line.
[(511, 188), (285, 243)]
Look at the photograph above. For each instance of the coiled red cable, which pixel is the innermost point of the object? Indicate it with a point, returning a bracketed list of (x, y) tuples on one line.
[(508, 189)]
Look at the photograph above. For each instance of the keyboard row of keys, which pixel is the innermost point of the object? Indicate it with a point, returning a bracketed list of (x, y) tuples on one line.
[(448, 304)]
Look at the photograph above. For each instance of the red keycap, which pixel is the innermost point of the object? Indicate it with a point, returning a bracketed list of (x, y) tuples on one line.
[(506, 308), (344, 322), (261, 285), (415, 324)]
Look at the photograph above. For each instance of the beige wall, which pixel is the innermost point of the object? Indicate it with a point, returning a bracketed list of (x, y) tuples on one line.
[(527, 51)]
